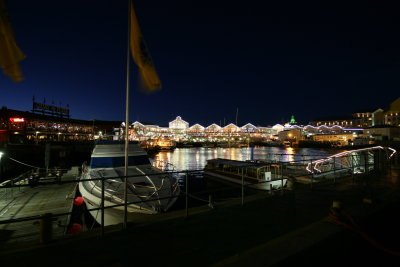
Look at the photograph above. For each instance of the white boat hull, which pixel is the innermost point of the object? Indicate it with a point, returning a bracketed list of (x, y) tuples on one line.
[(114, 215), (149, 190)]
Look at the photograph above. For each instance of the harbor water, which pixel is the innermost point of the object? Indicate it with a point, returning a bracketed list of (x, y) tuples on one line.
[(195, 158)]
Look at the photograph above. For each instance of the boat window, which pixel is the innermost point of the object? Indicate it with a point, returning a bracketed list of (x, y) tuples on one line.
[(113, 162)]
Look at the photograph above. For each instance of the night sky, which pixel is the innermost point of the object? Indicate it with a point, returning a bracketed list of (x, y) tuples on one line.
[(268, 59)]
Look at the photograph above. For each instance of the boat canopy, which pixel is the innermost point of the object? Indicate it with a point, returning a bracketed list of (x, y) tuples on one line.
[(112, 155), (115, 162)]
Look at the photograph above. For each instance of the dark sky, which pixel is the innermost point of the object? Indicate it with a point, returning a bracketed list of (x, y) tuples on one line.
[(268, 59)]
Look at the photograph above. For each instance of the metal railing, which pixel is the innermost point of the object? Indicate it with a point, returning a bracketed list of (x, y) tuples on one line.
[(191, 196)]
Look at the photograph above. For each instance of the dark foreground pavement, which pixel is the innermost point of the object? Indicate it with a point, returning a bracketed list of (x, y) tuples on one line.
[(288, 230)]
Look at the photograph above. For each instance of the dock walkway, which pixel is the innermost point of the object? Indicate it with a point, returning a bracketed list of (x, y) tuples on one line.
[(28, 201), (265, 231)]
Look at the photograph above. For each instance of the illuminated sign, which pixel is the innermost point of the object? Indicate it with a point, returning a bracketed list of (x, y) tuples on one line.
[(50, 108), (17, 120)]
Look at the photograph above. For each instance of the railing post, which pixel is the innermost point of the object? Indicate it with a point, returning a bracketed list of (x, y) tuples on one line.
[(186, 194), (242, 187), (312, 173), (12, 188), (102, 206), (334, 169), (282, 179), (352, 166), (46, 230), (210, 204)]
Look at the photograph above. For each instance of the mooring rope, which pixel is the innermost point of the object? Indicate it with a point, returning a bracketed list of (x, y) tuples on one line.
[(39, 168), (25, 164)]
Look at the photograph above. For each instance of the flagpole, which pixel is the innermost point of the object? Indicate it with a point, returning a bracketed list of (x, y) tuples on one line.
[(128, 55)]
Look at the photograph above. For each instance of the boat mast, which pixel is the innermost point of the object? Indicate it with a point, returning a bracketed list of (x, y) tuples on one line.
[(237, 112), (128, 55)]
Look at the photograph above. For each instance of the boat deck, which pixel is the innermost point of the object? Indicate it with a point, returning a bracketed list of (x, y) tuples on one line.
[(32, 201)]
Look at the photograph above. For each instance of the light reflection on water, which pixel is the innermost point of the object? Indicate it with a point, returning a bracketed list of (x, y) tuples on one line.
[(195, 158)]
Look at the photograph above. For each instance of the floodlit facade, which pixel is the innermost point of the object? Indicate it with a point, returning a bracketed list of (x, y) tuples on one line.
[(392, 115), (24, 127), (180, 130), (383, 133), (341, 139)]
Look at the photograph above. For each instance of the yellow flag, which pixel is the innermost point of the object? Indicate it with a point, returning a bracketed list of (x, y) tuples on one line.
[(10, 54), (148, 74)]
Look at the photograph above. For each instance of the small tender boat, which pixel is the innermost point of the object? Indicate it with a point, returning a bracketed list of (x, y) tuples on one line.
[(257, 175), (149, 190), (165, 144)]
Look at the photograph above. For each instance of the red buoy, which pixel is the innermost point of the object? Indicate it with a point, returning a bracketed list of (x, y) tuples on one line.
[(78, 201)]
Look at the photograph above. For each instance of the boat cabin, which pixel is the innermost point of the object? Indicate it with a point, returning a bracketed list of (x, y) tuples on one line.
[(256, 171)]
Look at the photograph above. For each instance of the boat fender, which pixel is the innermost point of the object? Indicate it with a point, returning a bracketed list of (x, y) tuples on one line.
[(78, 201)]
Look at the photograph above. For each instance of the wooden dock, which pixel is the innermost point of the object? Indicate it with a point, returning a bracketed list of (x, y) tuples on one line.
[(28, 201)]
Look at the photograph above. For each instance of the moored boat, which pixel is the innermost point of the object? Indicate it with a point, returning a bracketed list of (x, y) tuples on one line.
[(252, 174), (150, 191)]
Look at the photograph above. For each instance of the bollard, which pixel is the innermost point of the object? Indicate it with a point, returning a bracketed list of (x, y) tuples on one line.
[(46, 231)]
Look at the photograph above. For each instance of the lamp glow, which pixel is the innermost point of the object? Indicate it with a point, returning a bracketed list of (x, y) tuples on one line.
[(17, 120)]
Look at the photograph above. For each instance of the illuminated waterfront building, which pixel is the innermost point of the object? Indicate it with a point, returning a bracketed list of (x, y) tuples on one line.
[(366, 118), (21, 127), (340, 139), (292, 135), (33, 127), (392, 115), (362, 119), (383, 133), (179, 130)]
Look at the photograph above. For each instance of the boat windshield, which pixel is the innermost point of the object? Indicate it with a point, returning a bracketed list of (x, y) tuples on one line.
[(114, 162)]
